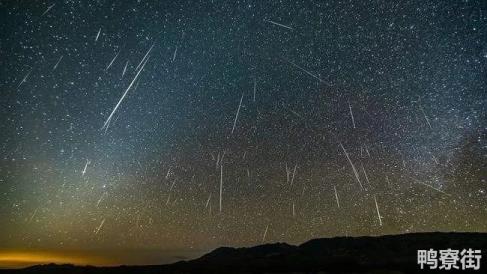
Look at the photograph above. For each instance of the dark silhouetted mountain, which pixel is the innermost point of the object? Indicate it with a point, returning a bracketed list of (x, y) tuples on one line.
[(384, 254)]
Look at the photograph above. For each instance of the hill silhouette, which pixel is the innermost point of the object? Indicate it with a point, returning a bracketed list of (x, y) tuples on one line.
[(384, 254)]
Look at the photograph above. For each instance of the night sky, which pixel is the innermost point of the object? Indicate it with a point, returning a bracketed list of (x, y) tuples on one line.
[(145, 132)]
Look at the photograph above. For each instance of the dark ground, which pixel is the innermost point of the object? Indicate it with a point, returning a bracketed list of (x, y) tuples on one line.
[(385, 254)]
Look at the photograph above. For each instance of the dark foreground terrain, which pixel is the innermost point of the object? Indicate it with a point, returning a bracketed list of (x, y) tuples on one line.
[(385, 254)]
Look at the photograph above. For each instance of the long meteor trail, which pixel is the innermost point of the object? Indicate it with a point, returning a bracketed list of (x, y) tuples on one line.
[(57, 63), (236, 115), (48, 9), (351, 114), (98, 35), (107, 122), (221, 185), (378, 213), (99, 227), (265, 233), (113, 60), (336, 196), (24, 79), (306, 71), (353, 167), (143, 59), (432, 187), (277, 24)]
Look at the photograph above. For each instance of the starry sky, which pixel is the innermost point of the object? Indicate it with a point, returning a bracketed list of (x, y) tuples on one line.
[(144, 132)]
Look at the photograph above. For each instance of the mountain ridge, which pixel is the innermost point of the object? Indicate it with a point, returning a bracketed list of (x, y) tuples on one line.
[(364, 254)]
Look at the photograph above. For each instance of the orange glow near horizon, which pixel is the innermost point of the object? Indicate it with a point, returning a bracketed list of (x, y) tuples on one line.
[(19, 259)]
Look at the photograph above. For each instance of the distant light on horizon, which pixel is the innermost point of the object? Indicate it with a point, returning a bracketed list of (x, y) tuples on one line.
[(93, 257), (20, 259)]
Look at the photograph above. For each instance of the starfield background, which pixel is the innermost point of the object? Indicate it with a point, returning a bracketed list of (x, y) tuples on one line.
[(148, 132)]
